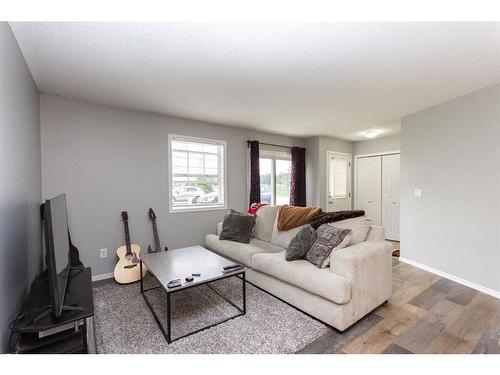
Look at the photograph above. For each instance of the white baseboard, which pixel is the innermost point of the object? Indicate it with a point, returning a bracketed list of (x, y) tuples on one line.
[(456, 279), (104, 276)]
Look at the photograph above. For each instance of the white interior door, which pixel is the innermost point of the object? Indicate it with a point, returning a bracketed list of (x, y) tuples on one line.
[(390, 195), (369, 187), (338, 181)]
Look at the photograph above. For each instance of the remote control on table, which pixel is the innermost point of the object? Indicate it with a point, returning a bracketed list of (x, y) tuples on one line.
[(174, 283), (231, 266), (233, 269)]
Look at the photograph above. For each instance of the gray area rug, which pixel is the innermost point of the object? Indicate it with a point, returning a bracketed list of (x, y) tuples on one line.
[(124, 324)]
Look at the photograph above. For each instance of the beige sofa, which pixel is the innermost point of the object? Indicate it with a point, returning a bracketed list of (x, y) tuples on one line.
[(358, 280)]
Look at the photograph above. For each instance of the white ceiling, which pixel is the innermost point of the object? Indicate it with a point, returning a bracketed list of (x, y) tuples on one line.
[(335, 79)]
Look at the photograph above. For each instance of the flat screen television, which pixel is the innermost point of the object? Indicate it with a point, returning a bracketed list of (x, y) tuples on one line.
[(57, 254)]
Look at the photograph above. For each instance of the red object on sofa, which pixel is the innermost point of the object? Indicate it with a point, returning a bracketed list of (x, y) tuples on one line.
[(254, 207)]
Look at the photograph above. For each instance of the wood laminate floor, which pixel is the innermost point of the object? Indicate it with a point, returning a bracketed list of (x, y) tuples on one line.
[(426, 314)]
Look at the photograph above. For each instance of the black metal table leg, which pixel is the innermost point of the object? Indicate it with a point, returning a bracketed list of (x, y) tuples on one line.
[(142, 285), (169, 323), (244, 294)]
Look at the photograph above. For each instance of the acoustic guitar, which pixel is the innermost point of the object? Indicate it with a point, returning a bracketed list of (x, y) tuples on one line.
[(128, 269), (152, 217)]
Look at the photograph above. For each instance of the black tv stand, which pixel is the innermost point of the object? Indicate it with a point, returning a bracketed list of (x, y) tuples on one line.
[(36, 330), (48, 310)]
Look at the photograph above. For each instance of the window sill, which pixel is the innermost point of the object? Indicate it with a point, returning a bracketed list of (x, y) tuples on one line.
[(196, 209)]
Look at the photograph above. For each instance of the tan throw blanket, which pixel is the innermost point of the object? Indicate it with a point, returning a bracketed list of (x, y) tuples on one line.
[(290, 217)]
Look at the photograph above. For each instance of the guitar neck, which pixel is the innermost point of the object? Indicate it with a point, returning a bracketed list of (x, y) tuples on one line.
[(127, 237), (157, 238)]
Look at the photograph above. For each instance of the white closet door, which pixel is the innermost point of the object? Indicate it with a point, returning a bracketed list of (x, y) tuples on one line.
[(390, 195), (369, 185)]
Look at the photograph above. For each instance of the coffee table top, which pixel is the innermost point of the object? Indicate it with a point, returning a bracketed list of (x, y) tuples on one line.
[(180, 263)]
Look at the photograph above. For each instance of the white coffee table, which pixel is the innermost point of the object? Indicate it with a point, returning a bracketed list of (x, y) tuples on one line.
[(180, 263)]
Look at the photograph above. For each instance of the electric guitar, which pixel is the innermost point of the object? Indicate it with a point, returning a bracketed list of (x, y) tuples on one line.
[(152, 217), (128, 269)]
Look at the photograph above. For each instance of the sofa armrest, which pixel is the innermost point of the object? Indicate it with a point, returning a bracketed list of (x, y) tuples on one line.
[(376, 233), (368, 265), (219, 228), (358, 260)]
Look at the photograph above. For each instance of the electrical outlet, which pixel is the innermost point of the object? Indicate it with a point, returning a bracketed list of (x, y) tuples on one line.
[(104, 253), (418, 193)]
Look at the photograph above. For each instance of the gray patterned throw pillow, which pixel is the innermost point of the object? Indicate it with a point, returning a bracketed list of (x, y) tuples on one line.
[(329, 239), (237, 227), (300, 244)]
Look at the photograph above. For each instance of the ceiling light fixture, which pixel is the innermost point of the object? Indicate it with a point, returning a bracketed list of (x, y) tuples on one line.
[(371, 133)]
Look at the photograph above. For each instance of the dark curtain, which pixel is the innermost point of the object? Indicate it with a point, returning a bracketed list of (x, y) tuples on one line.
[(298, 177), (254, 173)]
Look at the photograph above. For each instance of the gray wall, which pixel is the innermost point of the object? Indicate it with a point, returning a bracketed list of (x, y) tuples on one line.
[(109, 159), (373, 146), (316, 166), (312, 173), (20, 176), (452, 152)]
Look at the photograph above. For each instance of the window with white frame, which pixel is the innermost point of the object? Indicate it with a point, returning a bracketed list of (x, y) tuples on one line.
[(340, 170), (196, 173), (275, 169)]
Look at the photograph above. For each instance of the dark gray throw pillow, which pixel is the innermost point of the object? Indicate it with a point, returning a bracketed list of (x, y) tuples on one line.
[(300, 244), (237, 227), (329, 238)]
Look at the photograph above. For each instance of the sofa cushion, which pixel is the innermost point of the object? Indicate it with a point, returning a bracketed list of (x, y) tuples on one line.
[(300, 244), (239, 252), (264, 221), (237, 227), (328, 239), (360, 227), (283, 238), (304, 275)]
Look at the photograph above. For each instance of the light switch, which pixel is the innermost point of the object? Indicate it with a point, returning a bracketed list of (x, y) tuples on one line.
[(418, 193)]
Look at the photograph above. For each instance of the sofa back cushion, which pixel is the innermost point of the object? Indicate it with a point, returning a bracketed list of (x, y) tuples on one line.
[(360, 227), (283, 238), (264, 222)]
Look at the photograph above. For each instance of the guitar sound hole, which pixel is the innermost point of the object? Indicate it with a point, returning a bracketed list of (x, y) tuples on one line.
[(129, 256)]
